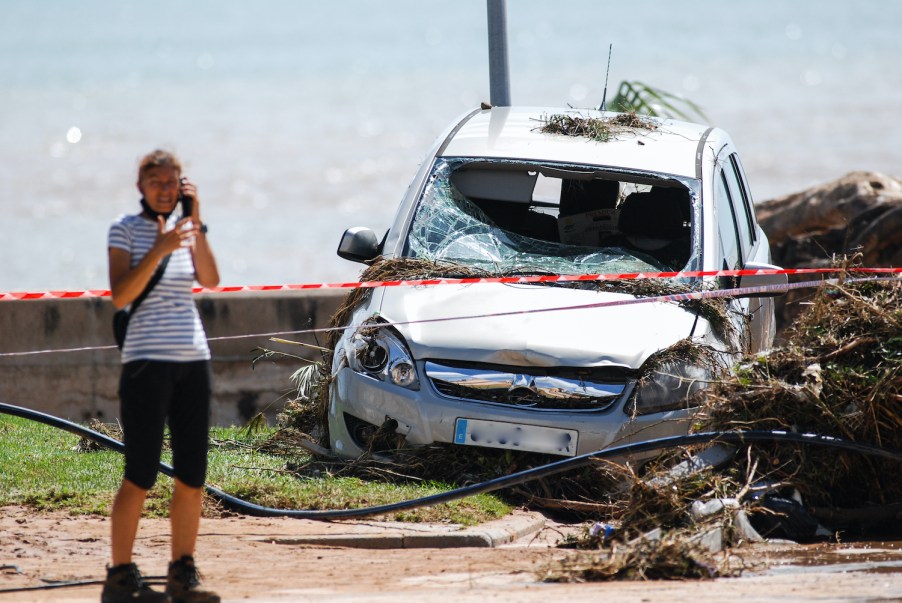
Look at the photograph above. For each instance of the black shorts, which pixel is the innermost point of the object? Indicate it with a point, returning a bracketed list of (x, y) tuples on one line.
[(152, 393)]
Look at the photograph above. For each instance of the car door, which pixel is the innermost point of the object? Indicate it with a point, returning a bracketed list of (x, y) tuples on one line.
[(742, 242)]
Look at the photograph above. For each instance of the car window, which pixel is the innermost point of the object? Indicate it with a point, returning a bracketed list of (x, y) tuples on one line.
[(742, 186), (726, 222), (742, 227), (740, 208), (516, 235)]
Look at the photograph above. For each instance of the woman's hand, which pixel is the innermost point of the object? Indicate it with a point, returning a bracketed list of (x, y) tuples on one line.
[(183, 235)]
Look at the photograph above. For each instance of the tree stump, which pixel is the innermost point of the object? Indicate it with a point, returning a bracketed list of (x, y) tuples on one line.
[(860, 213)]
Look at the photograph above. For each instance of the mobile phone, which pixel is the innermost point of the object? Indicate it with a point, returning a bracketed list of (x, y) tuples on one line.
[(187, 205)]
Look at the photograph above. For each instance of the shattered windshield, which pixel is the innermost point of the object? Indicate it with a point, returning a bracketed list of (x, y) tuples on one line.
[(510, 229)]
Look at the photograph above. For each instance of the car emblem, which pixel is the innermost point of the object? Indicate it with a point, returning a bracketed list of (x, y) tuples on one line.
[(523, 390)]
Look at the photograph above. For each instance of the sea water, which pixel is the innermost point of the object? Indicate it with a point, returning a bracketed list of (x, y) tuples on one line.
[(300, 119)]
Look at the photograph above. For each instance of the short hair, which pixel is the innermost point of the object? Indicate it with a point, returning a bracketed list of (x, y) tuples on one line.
[(158, 158)]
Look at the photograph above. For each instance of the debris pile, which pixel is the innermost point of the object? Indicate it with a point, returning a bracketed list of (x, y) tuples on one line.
[(839, 374), (667, 558), (111, 430), (599, 129)]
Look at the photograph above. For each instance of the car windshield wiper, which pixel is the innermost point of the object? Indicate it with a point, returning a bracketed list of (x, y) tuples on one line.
[(529, 271)]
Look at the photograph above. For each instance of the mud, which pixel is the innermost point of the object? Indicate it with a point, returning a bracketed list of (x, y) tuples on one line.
[(240, 558)]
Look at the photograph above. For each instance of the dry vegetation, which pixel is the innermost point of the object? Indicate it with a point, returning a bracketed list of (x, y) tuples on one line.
[(599, 129), (837, 374), (671, 558)]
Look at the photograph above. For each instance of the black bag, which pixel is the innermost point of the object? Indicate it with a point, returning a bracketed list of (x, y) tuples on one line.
[(121, 317), (120, 326)]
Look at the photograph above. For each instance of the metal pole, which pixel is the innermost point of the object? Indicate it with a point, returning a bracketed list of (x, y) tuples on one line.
[(499, 77)]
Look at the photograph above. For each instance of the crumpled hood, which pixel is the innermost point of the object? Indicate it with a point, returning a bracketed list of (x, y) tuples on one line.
[(608, 336)]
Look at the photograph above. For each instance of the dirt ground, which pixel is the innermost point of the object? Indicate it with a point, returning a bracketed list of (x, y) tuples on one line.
[(252, 559)]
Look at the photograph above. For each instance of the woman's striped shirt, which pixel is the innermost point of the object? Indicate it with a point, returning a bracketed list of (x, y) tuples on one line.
[(166, 325)]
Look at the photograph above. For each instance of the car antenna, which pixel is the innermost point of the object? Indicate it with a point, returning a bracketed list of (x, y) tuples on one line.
[(604, 95)]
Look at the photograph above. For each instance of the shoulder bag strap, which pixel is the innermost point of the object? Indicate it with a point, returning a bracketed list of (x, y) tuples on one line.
[(150, 285)]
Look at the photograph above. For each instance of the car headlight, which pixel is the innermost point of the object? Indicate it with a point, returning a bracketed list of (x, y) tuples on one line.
[(669, 387), (381, 354)]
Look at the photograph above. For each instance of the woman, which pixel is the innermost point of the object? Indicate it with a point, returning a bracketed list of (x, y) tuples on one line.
[(166, 373)]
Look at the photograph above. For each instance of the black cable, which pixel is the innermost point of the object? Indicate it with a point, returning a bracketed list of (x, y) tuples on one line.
[(51, 584), (249, 508), (733, 437)]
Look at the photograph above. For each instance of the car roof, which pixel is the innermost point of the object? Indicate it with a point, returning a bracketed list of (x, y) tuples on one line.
[(514, 133)]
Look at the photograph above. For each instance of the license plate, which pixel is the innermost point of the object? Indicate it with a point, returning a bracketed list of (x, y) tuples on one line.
[(514, 436)]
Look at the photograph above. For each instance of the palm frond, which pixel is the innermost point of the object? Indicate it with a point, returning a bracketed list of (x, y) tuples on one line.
[(648, 100), (307, 379)]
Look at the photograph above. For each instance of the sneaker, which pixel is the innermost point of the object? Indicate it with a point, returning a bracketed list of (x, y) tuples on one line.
[(183, 583), (125, 584)]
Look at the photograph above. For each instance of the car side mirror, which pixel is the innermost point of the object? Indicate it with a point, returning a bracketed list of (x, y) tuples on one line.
[(762, 280), (358, 244)]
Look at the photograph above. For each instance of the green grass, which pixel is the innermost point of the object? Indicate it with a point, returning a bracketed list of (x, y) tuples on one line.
[(41, 467)]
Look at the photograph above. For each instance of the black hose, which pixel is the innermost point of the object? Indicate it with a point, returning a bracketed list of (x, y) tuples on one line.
[(51, 584), (733, 437), (249, 508)]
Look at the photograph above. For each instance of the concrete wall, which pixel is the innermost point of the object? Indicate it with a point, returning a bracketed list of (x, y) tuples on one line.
[(79, 385)]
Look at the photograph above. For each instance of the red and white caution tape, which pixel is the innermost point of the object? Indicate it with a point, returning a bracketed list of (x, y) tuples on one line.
[(672, 297), (546, 278)]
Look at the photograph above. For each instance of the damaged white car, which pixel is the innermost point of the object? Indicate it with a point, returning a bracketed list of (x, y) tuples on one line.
[(553, 368)]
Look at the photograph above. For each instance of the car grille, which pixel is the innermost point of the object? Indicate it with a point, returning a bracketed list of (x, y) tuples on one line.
[(524, 390)]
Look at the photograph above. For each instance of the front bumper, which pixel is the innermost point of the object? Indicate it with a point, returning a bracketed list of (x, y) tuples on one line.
[(425, 417)]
